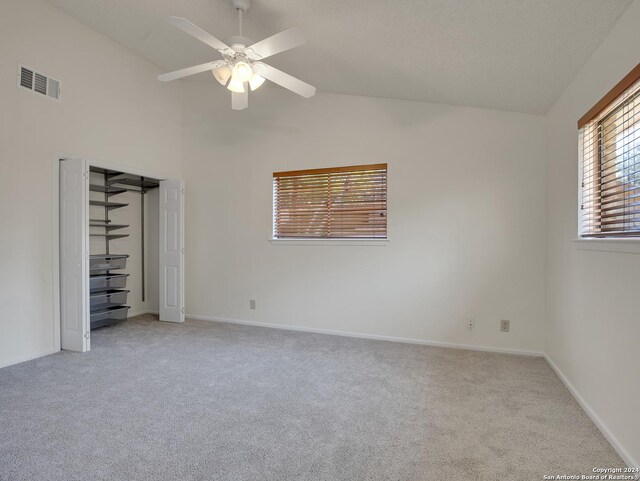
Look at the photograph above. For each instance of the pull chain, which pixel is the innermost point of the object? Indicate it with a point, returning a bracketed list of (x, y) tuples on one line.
[(240, 20)]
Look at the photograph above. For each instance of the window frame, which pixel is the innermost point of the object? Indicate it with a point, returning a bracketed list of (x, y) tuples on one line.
[(331, 240), (591, 124)]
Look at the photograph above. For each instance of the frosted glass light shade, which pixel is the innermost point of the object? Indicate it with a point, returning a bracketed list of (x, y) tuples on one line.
[(222, 74), (242, 71), (256, 81), (236, 85)]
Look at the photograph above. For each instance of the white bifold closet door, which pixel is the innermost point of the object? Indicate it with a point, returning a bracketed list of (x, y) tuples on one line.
[(171, 206), (74, 255)]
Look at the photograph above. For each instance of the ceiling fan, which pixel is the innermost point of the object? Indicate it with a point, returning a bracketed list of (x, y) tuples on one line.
[(242, 68)]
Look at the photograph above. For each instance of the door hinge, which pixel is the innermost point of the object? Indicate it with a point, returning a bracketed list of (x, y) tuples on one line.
[(87, 335), (182, 191), (182, 250), (86, 175), (182, 310)]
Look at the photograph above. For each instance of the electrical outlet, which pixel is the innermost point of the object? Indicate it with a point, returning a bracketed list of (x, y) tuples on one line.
[(471, 323), (252, 304), (504, 325)]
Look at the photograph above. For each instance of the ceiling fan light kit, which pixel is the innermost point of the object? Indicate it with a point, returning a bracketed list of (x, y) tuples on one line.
[(242, 68)]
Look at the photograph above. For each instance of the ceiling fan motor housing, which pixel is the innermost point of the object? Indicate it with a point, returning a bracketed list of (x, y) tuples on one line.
[(238, 43)]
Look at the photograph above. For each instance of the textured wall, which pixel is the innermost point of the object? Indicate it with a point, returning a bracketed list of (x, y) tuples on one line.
[(466, 217)]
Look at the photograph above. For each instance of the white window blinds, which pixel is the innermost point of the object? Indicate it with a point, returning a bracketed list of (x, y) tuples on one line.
[(609, 151), (341, 202)]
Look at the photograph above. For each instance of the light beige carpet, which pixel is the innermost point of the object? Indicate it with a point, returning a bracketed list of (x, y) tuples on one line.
[(207, 401)]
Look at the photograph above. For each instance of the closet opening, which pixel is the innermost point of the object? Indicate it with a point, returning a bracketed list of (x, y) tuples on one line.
[(123, 246), (121, 238)]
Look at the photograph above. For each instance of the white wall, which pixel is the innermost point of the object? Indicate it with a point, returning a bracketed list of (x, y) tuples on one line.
[(466, 217), (593, 315), (112, 109)]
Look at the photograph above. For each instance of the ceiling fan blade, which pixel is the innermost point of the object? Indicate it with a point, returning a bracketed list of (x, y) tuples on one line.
[(285, 80), (285, 40), (240, 101), (195, 31), (185, 72)]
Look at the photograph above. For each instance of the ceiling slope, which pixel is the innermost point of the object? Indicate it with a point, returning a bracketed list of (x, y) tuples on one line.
[(515, 55)]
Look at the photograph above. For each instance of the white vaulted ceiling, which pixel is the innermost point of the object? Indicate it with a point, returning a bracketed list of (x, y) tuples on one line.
[(514, 55)]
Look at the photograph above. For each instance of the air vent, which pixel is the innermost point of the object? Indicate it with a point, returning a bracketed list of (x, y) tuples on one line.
[(40, 85), (37, 82), (26, 78)]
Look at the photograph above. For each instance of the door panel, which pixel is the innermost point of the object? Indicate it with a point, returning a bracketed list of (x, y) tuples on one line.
[(74, 310), (171, 206)]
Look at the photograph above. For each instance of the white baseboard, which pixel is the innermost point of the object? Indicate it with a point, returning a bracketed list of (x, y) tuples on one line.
[(27, 358), (622, 452), (361, 335)]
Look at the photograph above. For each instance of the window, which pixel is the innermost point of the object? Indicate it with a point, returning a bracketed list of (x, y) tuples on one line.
[(335, 203), (609, 150)]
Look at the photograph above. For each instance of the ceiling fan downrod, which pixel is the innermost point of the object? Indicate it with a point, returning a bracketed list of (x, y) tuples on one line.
[(239, 42), (241, 6)]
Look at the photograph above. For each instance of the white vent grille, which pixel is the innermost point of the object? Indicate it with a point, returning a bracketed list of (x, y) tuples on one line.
[(37, 82), (53, 89), (40, 85), (26, 78)]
